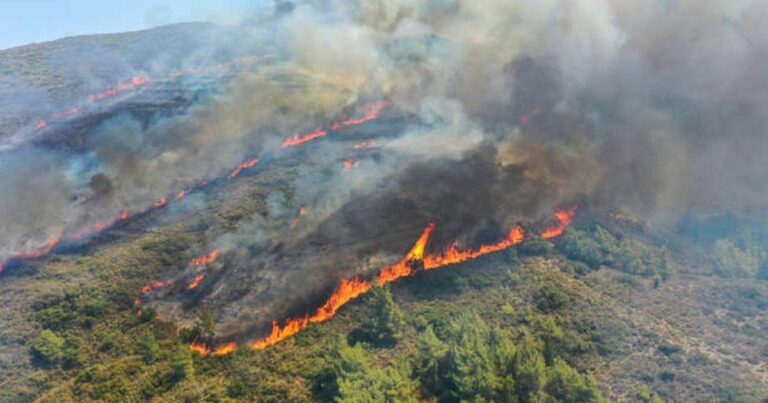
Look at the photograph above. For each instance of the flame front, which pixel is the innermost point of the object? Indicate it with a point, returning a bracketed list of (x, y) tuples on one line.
[(196, 282), (244, 165), (204, 260), (564, 218), (350, 289)]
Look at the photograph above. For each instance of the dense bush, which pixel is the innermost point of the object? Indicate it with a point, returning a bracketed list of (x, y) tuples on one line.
[(474, 362), (599, 247)]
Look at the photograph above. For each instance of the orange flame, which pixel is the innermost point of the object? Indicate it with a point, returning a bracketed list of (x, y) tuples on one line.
[(161, 203), (207, 259), (297, 139), (351, 289), (347, 291), (372, 113), (244, 165), (155, 285), (350, 163), (403, 267), (196, 282), (225, 349), (453, 255), (200, 348), (564, 218), (135, 82)]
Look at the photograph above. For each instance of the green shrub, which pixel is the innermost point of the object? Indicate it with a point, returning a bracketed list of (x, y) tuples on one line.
[(48, 347)]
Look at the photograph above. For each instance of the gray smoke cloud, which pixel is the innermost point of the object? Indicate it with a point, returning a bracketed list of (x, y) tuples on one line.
[(506, 110)]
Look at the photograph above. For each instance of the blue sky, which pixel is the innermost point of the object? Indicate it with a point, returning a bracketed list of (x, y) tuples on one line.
[(27, 21)]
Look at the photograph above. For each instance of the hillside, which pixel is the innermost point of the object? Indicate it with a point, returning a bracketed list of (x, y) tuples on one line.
[(388, 202), (688, 337)]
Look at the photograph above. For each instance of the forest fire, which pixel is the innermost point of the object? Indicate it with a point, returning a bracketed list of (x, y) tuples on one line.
[(297, 139), (372, 113), (136, 81), (207, 259), (564, 218), (156, 285), (196, 282), (350, 163), (350, 289), (241, 167)]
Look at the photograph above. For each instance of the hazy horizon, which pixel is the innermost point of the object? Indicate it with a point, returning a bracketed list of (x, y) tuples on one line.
[(24, 22)]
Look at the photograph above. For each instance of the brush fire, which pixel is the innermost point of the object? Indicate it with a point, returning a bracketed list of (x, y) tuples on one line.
[(416, 259)]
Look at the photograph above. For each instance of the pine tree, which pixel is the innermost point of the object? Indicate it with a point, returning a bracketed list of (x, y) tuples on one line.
[(386, 321), (432, 353), (530, 370)]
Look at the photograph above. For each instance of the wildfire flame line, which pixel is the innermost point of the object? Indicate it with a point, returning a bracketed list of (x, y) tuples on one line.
[(350, 289), (373, 111)]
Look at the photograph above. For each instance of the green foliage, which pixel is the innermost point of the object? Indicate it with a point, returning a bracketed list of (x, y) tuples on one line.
[(549, 298), (537, 246), (386, 320), (108, 340), (70, 352), (566, 385), (182, 366), (599, 247), (73, 310), (147, 347), (359, 379), (431, 357), (577, 245), (473, 362), (733, 261), (103, 383), (48, 347), (530, 369)]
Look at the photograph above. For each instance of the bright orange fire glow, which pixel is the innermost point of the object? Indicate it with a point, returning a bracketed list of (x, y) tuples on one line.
[(297, 139), (225, 349), (244, 165), (347, 291), (372, 113), (564, 218), (207, 259), (135, 82), (350, 163), (403, 267), (161, 203), (156, 285), (200, 348), (351, 289), (196, 282), (454, 255)]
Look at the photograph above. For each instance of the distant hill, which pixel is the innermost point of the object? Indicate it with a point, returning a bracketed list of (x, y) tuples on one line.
[(44, 77)]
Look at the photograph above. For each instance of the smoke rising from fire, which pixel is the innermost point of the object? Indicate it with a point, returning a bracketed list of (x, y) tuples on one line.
[(497, 113)]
